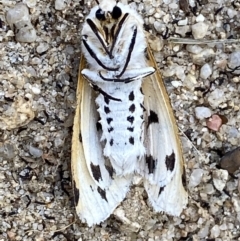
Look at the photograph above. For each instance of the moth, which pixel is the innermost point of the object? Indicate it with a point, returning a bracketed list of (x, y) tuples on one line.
[(124, 124)]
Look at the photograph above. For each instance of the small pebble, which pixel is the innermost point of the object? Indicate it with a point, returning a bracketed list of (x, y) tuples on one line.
[(231, 160), (220, 178), (216, 97), (199, 30), (214, 123), (34, 151), (200, 18), (202, 112), (234, 61), (60, 4), (196, 177), (205, 71)]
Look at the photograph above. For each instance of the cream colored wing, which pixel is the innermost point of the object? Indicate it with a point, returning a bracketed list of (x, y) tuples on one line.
[(163, 166)]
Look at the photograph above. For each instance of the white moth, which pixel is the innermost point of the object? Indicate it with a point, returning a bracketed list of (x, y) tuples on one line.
[(124, 124)]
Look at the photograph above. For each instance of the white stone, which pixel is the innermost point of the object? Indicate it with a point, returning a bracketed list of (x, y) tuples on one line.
[(60, 4), (200, 18), (220, 178), (234, 61), (215, 231), (196, 177), (199, 30), (216, 97), (205, 71), (26, 34), (202, 112), (34, 151), (30, 3), (176, 83), (194, 49), (17, 14), (36, 90), (183, 22), (42, 47)]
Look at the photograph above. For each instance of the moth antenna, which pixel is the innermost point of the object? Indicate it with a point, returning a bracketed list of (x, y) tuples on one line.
[(97, 2)]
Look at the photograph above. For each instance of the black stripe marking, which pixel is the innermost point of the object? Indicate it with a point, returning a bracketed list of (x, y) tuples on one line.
[(94, 28), (152, 118), (76, 193), (109, 120), (161, 190), (131, 140), (151, 163), (96, 172), (126, 80), (130, 129), (106, 99), (106, 109), (131, 96), (102, 193), (130, 119), (132, 108), (110, 170), (96, 88), (130, 49), (119, 27), (170, 161), (94, 56)]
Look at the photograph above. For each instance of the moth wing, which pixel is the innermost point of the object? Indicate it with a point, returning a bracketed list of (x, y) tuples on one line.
[(163, 166), (97, 191)]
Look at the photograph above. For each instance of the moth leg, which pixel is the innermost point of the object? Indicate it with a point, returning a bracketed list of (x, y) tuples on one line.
[(92, 78), (96, 54), (130, 49), (96, 31), (116, 34), (130, 75)]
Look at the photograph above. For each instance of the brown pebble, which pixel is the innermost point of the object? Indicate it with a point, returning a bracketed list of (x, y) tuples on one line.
[(231, 160)]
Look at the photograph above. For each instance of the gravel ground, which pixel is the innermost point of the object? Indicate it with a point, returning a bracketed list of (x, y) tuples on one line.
[(40, 52)]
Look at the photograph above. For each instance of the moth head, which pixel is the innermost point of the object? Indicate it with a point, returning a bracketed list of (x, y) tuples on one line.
[(108, 9)]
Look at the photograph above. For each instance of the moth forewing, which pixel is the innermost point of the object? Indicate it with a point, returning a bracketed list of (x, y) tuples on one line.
[(164, 173), (94, 201)]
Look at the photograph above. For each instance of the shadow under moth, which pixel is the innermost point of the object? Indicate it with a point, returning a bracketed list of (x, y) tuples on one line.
[(124, 124)]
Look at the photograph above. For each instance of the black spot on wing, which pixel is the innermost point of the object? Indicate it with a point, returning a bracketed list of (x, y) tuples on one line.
[(131, 140), (132, 108), (106, 109), (110, 129), (76, 193), (111, 142), (151, 163), (102, 193), (170, 161), (99, 126), (110, 170), (152, 118), (130, 129), (106, 99), (130, 119), (109, 120), (96, 172), (131, 96), (161, 190)]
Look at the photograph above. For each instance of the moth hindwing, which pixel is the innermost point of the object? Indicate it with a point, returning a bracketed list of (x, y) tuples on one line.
[(124, 123)]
